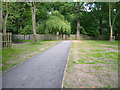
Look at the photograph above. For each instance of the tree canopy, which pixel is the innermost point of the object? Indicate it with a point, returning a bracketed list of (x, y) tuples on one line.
[(57, 23), (62, 17)]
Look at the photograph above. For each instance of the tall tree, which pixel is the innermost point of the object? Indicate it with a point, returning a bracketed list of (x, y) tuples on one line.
[(111, 22), (33, 17), (4, 21), (78, 8), (98, 11), (78, 21), (34, 22), (57, 23), (0, 16)]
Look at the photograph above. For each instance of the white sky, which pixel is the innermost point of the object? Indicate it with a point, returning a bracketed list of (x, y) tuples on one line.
[(75, 0)]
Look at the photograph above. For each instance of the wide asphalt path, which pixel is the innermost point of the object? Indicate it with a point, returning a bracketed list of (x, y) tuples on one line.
[(42, 71)]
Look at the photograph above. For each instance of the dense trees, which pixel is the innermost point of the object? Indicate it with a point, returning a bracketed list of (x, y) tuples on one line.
[(93, 19), (56, 23)]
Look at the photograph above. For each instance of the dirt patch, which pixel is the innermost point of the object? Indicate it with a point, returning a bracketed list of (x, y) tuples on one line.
[(76, 41), (108, 45), (112, 50), (30, 54), (92, 76), (20, 42), (9, 62), (90, 67)]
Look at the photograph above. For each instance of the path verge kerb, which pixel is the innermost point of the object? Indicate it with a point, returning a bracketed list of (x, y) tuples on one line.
[(66, 67)]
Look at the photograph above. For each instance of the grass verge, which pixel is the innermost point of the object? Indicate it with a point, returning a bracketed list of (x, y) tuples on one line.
[(20, 52), (92, 64)]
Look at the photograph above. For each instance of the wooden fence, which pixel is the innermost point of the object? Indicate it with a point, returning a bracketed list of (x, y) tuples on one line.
[(6, 39)]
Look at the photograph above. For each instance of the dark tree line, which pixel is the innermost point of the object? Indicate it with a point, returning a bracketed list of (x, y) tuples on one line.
[(93, 19)]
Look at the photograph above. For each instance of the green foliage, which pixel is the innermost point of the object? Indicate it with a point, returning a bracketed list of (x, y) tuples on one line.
[(56, 23), (19, 15), (60, 16), (26, 30), (41, 28)]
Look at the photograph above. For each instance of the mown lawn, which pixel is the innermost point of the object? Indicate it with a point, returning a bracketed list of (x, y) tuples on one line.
[(92, 64), (20, 52)]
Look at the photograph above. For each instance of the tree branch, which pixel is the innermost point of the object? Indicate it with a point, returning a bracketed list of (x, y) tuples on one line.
[(115, 18)]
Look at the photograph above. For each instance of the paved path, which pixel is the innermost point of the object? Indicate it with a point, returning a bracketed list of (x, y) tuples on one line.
[(42, 71)]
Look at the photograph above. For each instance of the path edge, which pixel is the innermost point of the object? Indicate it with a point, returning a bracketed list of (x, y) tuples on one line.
[(66, 66), (27, 60)]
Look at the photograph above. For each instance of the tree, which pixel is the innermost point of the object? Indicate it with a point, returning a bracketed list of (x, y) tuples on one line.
[(5, 19), (57, 23), (0, 16), (111, 28), (73, 10), (19, 17), (78, 21), (75, 15), (78, 6), (99, 12), (111, 22), (34, 22), (95, 18)]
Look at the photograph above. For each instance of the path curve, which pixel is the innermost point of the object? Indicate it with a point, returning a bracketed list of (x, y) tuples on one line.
[(42, 71)]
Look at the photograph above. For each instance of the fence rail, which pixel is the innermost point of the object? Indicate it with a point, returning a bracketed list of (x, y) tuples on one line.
[(6, 39)]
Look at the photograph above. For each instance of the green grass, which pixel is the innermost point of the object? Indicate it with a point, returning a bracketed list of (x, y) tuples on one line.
[(22, 40), (102, 42), (18, 53), (96, 53)]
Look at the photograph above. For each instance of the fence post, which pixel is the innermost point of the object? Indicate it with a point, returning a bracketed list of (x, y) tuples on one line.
[(6, 40), (10, 39), (0, 39)]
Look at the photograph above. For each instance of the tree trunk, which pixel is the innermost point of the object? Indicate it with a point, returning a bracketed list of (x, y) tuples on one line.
[(34, 22), (62, 36), (111, 35), (5, 19), (78, 21), (78, 29), (110, 23), (57, 35), (20, 28), (0, 16)]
